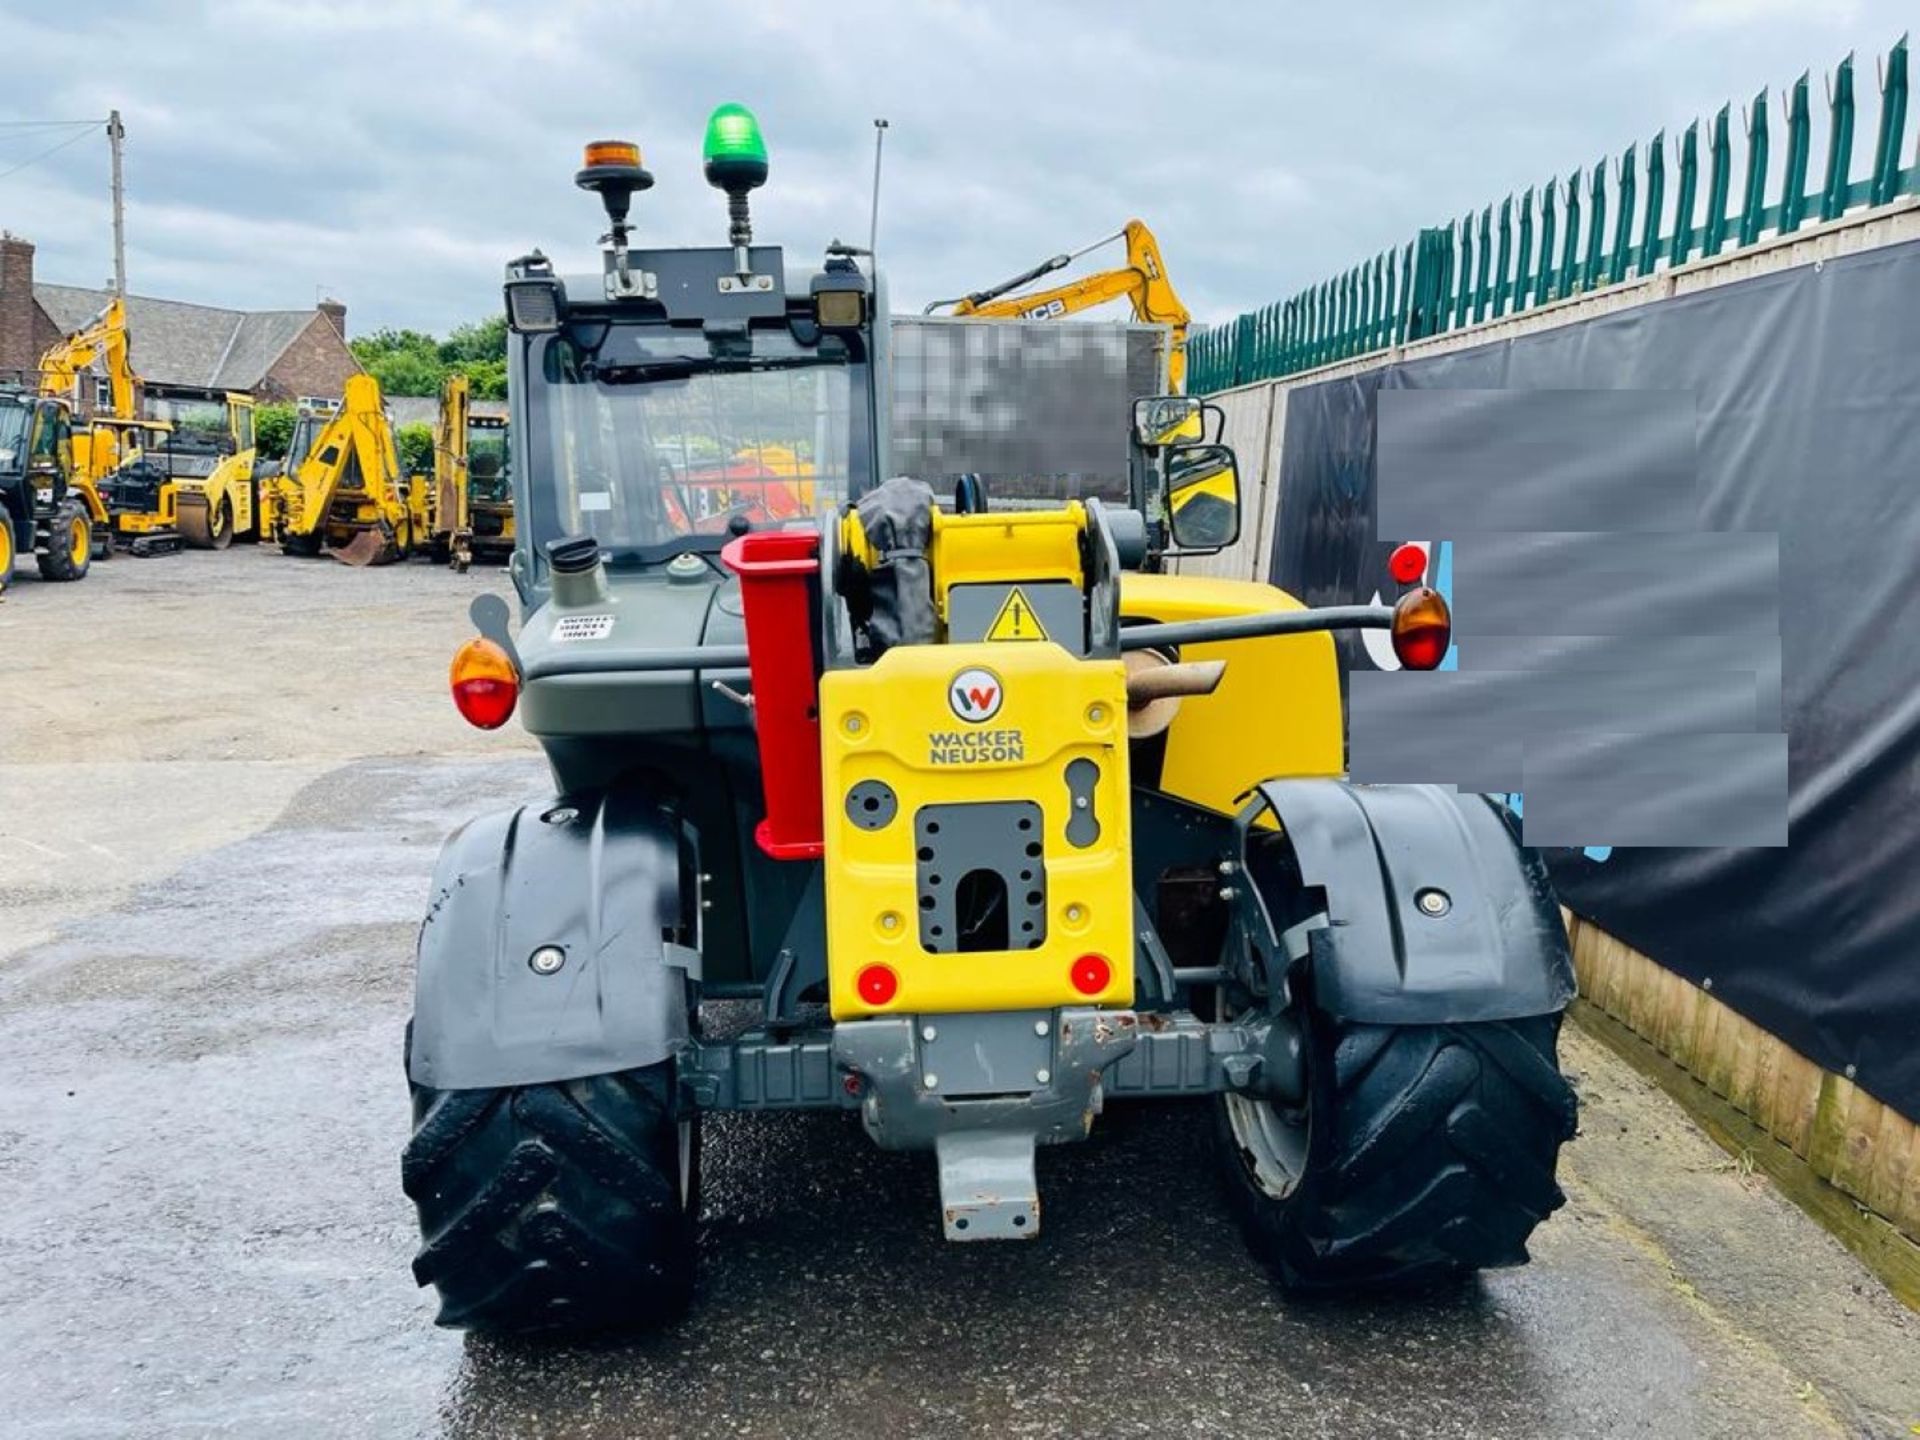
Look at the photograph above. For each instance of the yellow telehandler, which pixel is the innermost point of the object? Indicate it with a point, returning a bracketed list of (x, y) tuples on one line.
[(341, 489)]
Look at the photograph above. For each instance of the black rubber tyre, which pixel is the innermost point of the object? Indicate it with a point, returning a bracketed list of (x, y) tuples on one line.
[(305, 546), (1428, 1151), (563, 1207), (7, 550), (69, 552)]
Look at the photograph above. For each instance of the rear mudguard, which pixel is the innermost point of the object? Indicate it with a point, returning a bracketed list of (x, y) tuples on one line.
[(1487, 945), (599, 877)]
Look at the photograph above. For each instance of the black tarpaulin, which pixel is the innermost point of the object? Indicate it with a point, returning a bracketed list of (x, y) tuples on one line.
[(1806, 388)]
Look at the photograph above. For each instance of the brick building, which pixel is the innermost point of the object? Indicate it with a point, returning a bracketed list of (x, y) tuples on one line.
[(177, 347)]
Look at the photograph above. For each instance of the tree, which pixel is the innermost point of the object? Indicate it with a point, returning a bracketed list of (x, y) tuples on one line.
[(476, 340), (412, 362), (272, 430), (415, 443)]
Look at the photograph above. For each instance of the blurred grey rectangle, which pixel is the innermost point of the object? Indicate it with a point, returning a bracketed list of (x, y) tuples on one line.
[(1457, 462), (1686, 790), (1639, 583), (1038, 408), (1473, 728), (1611, 654)]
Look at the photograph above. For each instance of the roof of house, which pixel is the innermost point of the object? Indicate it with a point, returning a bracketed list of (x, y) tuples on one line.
[(174, 343)]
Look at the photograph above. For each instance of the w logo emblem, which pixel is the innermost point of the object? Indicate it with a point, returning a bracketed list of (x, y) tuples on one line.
[(975, 695)]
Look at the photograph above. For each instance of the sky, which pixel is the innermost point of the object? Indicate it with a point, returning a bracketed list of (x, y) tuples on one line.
[(395, 155)]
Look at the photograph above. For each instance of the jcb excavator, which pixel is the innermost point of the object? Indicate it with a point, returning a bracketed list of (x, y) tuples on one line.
[(341, 489), (183, 472), (472, 490), (1142, 281)]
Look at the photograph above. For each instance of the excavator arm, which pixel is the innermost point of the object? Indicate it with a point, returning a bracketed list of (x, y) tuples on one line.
[(104, 339), (1142, 281), (352, 460)]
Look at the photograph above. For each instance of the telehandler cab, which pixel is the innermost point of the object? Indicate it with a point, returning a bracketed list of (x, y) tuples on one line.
[(989, 824), (48, 509)]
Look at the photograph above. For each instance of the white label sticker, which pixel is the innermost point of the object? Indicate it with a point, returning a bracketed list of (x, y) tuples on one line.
[(595, 500), (583, 627)]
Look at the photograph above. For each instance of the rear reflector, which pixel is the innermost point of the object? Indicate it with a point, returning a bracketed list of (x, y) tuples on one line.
[(1091, 974), (877, 985)]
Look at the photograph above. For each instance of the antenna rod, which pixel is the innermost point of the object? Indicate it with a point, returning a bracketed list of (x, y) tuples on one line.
[(873, 223), (116, 132)]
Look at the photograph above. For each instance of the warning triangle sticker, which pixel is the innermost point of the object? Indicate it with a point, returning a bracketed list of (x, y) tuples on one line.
[(1016, 620)]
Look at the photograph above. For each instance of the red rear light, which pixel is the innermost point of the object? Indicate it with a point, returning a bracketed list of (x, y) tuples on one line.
[(1091, 974), (877, 985), (485, 687), (1422, 629), (1407, 564)]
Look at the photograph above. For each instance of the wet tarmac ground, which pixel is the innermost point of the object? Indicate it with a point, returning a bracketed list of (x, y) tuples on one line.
[(202, 1230)]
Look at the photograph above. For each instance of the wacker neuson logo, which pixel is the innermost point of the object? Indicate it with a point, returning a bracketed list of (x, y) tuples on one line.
[(975, 696)]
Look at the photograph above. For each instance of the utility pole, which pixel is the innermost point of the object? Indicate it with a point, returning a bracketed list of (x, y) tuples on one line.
[(873, 223), (116, 133)]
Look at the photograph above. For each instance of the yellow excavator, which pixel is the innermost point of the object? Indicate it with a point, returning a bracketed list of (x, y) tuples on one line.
[(1142, 281), (181, 472), (471, 489), (341, 489)]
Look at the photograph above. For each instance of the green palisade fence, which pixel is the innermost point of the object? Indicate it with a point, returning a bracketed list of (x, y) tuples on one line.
[(1604, 226)]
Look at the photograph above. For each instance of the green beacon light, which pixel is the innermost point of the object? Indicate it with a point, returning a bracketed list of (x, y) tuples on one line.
[(735, 153), (736, 162)]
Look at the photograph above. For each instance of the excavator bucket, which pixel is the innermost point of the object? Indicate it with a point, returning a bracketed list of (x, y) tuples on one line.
[(368, 547)]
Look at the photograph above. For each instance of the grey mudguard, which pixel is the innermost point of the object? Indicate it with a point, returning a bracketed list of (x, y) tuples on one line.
[(603, 884), (1498, 950)]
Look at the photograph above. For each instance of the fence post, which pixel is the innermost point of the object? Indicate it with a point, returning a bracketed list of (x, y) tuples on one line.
[(1656, 190), (1626, 181), (1833, 198), (1570, 252), (1893, 120), (1681, 245), (1719, 179), (1506, 254), (1793, 198), (1543, 281), (1753, 206)]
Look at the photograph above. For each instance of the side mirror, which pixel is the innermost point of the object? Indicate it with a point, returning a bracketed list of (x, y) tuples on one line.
[(1203, 496), (1162, 420)]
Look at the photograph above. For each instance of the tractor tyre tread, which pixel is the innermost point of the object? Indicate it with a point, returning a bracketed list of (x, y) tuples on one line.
[(57, 562), (1431, 1152), (552, 1207)]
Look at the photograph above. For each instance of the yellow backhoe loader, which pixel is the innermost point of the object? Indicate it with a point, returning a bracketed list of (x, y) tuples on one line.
[(471, 489), (1142, 281), (341, 489)]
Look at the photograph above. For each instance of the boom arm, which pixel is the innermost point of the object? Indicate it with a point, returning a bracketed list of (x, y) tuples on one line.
[(105, 339), (357, 443), (1142, 280)]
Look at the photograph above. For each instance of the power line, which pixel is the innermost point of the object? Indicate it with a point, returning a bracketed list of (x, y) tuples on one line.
[(45, 124), (34, 159)]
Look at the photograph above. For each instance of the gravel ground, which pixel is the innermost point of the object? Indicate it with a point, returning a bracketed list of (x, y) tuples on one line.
[(223, 779)]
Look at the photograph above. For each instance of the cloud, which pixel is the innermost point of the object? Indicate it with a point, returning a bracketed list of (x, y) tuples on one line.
[(398, 154)]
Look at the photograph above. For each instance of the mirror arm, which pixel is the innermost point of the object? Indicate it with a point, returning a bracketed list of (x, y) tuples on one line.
[(1248, 627)]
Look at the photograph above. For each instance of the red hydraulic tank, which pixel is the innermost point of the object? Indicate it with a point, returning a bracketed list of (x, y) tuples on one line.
[(779, 571)]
